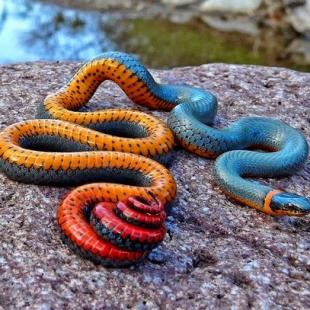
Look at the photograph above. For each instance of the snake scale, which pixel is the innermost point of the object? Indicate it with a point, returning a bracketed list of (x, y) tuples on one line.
[(123, 148)]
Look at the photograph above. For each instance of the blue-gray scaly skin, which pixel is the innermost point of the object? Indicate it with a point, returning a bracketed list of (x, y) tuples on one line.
[(290, 152), (190, 121)]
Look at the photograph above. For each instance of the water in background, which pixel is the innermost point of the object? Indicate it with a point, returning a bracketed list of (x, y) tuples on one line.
[(34, 31), (30, 30)]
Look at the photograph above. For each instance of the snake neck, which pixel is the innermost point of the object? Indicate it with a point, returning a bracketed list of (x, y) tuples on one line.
[(289, 151), (230, 173)]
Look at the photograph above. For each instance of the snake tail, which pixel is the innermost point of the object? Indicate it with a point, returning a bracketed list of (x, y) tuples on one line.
[(119, 148), (113, 234)]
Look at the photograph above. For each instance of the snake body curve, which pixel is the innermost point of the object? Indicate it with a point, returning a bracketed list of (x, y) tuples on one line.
[(110, 149), (66, 146), (287, 152)]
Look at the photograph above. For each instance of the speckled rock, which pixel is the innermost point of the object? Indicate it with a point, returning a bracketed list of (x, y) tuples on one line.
[(216, 254)]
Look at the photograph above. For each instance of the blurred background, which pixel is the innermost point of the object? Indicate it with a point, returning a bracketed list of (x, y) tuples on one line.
[(163, 33)]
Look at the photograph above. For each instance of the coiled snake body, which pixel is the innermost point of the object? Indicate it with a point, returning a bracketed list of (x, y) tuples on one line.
[(288, 151), (116, 144)]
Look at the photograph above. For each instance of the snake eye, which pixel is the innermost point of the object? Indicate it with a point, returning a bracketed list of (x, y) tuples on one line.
[(290, 204)]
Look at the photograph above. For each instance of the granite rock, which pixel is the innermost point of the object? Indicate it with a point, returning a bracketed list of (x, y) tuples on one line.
[(216, 254), (299, 16)]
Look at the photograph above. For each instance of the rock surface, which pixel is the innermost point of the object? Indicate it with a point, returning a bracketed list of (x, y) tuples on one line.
[(299, 16), (217, 254), (231, 6)]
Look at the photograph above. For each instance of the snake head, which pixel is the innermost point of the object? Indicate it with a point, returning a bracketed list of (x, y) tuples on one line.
[(285, 203)]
